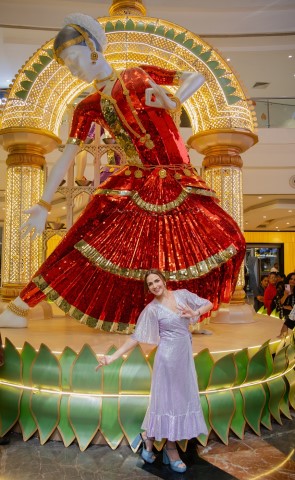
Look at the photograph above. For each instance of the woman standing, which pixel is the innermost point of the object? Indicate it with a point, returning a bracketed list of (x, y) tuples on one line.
[(174, 411), (288, 302), (154, 212)]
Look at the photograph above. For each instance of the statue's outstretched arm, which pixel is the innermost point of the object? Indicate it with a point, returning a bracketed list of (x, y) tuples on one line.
[(157, 96), (35, 224)]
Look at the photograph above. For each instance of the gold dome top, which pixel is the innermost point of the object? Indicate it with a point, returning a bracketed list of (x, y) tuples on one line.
[(125, 7)]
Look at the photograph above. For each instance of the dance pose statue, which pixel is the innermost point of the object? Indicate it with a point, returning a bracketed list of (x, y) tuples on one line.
[(154, 212), (174, 411)]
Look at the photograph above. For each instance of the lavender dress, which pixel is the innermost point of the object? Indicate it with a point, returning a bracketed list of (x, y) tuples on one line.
[(174, 410)]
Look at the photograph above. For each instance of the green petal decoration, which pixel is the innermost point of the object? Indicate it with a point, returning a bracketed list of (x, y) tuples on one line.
[(197, 50), (280, 361), (129, 25), (228, 89), (45, 60), (26, 419), (10, 396), (160, 31), (150, 28), (266, 417), (223, 373), (109, 27), (218, 72), (290, 376), (31, 75), (22, 94), (170, 34), (260, 365), (85, 411), (224, 81), (277, 390), (140, 27), (180, 38), (38, 67), (284, 405), (45, 406), (206, 55), (221, 411), (203, 363), (188, 43), (64, 427), (241, 360), (213, 64), (238, 421), (133, 408), (231, 99), (254, 402), (119, 26), (203, 439), (110, 426), (26, 85)]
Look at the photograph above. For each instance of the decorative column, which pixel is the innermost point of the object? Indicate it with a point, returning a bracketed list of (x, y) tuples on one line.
[(24, 186), (223, 173), (127, 7)]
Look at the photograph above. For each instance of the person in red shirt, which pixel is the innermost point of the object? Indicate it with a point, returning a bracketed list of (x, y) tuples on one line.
[(270, 292)]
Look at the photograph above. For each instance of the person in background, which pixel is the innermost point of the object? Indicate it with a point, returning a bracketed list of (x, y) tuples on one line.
[(275, 268), (259, 293), (277, 303), (288, 302), (270, 292)]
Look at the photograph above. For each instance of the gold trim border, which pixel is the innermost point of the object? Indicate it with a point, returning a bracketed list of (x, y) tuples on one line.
[(194, 271)]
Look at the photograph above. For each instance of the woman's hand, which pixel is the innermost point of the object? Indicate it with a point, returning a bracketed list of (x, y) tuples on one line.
[(35, 224), (157, 96), (103, 361), (188, 312)]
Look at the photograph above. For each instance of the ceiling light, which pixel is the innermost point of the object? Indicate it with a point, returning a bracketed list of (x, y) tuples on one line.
[(287, 223), (63, 208), (290, 211), (228, 59), (277, 227), (290, 56), (264, 216), (260, 198)]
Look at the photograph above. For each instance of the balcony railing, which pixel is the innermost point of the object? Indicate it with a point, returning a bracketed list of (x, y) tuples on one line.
[(275, 112)]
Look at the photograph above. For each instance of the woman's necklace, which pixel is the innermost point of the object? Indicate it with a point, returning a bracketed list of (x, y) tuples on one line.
[(145, 138)]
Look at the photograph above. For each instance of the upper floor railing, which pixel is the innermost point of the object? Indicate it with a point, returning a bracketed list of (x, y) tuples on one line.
[(275, 112)]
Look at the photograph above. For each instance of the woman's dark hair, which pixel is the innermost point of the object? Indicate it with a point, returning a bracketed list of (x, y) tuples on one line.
[(153, 271)]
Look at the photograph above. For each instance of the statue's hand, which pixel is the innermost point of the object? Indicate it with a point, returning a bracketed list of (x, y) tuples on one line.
[(35, 224), (156, 96)]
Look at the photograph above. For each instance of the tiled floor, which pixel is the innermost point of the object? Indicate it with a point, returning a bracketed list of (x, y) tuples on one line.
[(250, 459)]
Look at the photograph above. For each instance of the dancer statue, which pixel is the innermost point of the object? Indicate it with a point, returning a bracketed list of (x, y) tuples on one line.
[(153, 213)]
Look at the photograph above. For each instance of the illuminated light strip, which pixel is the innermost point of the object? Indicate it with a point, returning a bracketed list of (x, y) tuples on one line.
[(59, 352), (275, 469), (139, 395)]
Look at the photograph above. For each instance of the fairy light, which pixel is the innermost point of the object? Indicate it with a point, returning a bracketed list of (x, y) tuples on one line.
[(38, 390)]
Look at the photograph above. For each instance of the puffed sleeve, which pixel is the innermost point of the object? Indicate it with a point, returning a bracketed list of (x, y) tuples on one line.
[(162, 76), (147, 327)]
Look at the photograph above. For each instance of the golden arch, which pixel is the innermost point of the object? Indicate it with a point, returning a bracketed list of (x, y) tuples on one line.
[(43, 89)]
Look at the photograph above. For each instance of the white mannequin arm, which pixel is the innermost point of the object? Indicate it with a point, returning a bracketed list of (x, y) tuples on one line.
[(35, 224), (190, 82)]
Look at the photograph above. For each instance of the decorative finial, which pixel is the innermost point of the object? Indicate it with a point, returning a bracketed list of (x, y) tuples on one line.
[(125, 7)]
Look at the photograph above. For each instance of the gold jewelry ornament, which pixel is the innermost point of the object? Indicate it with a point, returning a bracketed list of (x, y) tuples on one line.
[(94, 57), (162, 173), (138, 173), (21, 312), (44, 204), (178, 104), (145, 138), (75, 41)]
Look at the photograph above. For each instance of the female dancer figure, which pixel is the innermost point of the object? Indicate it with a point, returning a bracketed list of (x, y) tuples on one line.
[(153, 213), (174, 410)]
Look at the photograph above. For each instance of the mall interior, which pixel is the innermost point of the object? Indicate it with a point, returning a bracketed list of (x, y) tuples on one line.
[(239, 133)]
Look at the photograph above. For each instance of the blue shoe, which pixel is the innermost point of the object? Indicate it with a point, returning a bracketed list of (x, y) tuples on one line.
[(173, 465), (146, 455)]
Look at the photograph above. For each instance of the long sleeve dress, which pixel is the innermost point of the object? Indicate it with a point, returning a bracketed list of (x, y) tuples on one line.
[(174, 410), (154, 212)]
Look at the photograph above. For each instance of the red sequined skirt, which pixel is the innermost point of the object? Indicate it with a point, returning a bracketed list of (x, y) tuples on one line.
[(136, 222)]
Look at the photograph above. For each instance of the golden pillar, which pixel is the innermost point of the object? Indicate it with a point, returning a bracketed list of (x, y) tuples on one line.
[(24, 186), (223, 173)]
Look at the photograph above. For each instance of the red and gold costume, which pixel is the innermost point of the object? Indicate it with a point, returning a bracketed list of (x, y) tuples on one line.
[(154, 213)]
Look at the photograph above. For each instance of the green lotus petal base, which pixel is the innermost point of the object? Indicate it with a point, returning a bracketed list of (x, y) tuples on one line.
[(63, 397)]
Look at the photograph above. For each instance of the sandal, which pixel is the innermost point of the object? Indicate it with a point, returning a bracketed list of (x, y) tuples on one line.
[(174, 465), (147, 455)]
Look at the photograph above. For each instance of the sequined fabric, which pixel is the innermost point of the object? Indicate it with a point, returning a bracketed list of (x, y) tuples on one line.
[(174, 410), (156, 213)]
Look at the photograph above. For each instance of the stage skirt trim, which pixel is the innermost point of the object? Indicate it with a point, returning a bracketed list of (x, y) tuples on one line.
[(151, 207), (194, 271), (77, 314)]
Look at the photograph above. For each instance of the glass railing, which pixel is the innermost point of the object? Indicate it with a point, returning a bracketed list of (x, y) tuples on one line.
[(275, 112)]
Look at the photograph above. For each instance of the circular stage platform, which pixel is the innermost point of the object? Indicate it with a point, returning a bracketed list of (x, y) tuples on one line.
[(49, 386)]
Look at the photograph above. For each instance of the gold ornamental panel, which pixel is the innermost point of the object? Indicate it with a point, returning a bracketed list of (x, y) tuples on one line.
[(42, 90)]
